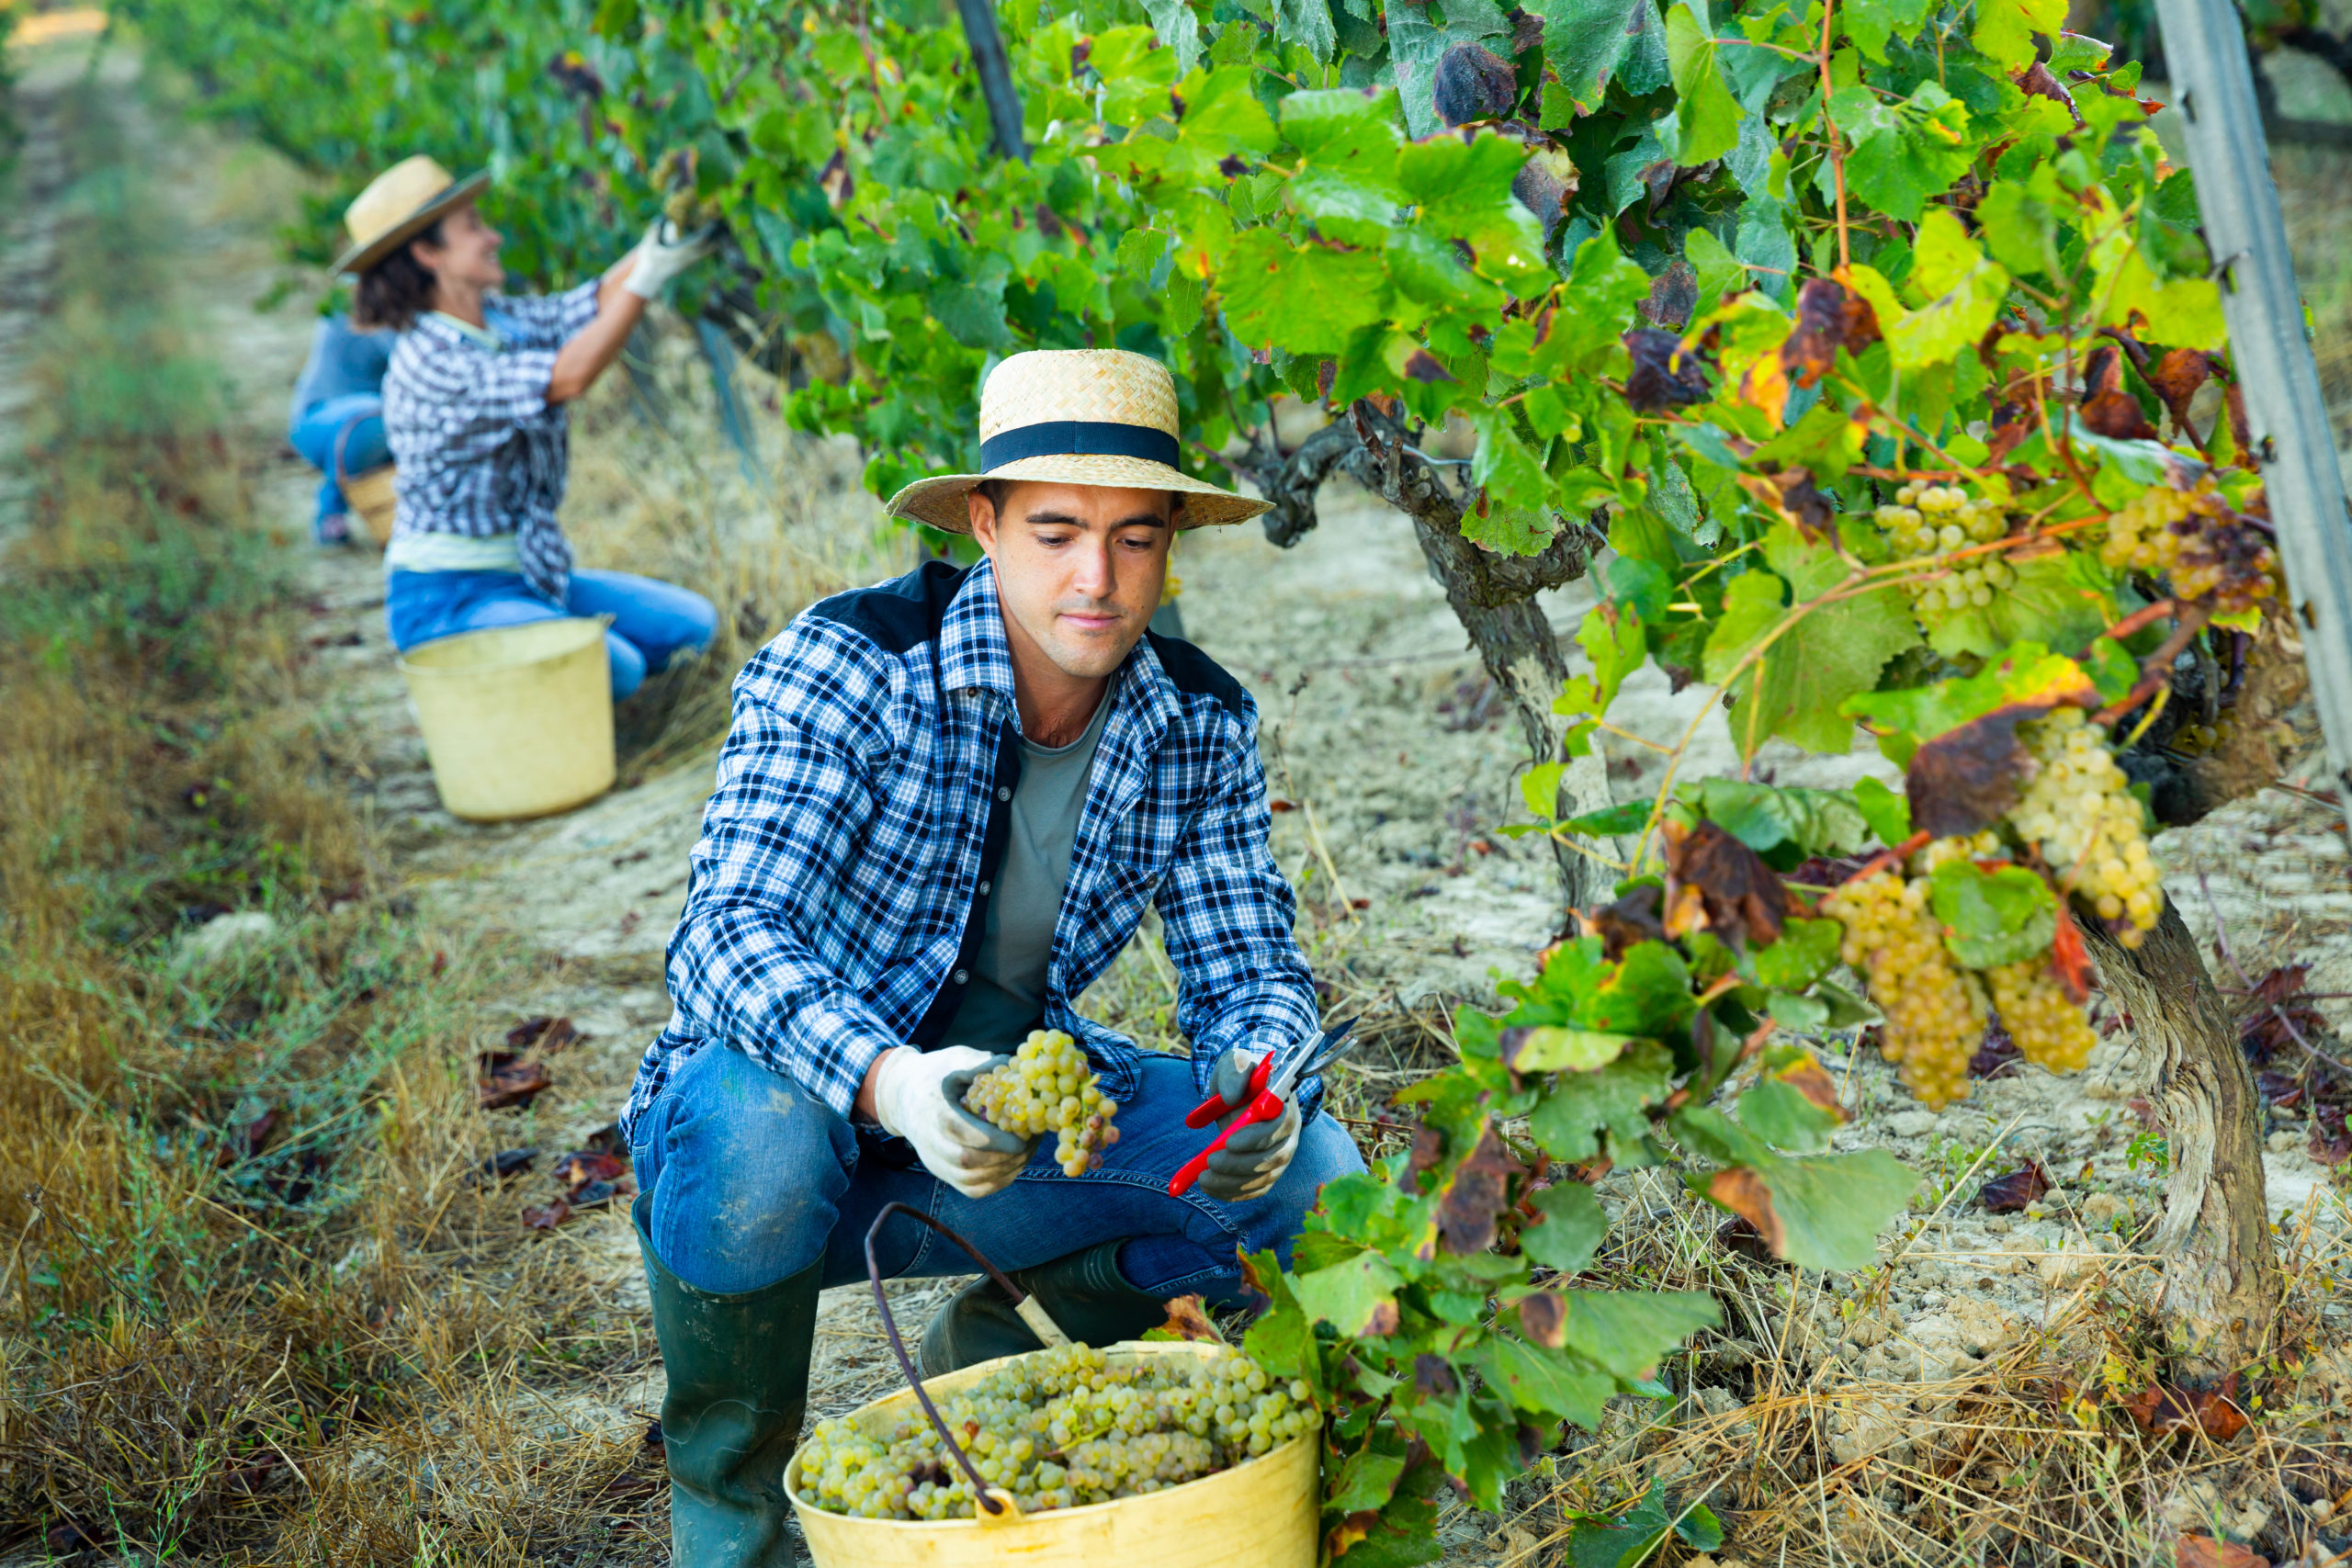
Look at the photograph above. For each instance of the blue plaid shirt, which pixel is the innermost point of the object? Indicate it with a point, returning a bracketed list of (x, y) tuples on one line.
[(478, 449), (835, 893)]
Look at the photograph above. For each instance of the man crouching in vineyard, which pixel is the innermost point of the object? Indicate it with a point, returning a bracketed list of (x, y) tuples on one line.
[(943, 806)]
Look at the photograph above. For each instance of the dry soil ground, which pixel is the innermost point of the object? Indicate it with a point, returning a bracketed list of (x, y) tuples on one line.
[(1376, 729)]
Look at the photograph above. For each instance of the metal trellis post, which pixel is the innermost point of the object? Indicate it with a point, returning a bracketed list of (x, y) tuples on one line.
[(2213, 89)]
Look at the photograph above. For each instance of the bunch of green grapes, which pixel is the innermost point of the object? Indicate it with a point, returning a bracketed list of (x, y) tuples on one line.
[(2206, 552), (2079, 810), (2048, 1025), (1931, 520), (675, 175), (1048, 1088), (1060, 1429), (1935, 1009)]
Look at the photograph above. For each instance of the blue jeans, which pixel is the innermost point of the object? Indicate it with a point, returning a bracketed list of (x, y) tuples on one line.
[(341, 435), (652, 622), (753, 1179)]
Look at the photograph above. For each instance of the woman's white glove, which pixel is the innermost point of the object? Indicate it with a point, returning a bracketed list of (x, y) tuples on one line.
[(664, 252), (1254, 1159), (919, 1095)]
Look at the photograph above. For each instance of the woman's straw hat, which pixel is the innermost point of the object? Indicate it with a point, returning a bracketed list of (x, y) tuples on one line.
[(397, 205), (1081, 416)]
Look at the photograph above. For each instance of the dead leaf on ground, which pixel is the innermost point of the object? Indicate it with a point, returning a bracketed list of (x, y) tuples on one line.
[(542, 1034), (2204, 1551), (1739, 897), (545, 1217), (509, 1162), (508, 1083), (2158, 1409), (2007, 1194), (1997, 1056), (583, 1165)]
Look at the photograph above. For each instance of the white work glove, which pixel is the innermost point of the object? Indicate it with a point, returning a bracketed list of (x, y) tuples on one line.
[(664, 252), (1254, 1159), (919, 1095)]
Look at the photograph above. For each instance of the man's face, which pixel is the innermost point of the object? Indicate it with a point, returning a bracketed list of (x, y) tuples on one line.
[(468, 253), (1079, 568)]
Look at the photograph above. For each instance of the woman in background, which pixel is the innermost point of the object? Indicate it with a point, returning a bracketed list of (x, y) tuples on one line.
[(475, 414), (338, 420)]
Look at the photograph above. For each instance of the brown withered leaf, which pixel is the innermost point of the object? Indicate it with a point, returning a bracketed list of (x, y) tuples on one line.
[(2159, 1409), (2011, 425), (546, 1217), (2116, 414), (2176, 378), (1663, 377), (2007, 1194), (1422, 366), (1813, 511), (2329, 1143), (583, 1166), (1526, 29), (543, 1033), (2241, 432), (1478, 1193), (1743, 1191), (1428, 1148), (2070, 957), (508, 1083), (1188, 1319), (836, 180), (2204, 1551), (1739, 897), (2036, 81), (1472, 84), (1805, 1075), (1543, 1317), (1674, 294), (1968, 778), (1812, 348), (1996, 1056), (1631, 919), (1434, 1377)]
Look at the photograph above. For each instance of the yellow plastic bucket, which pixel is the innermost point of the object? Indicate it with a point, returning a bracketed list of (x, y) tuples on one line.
[(370, 495), (518, 720), (1259, 1513)]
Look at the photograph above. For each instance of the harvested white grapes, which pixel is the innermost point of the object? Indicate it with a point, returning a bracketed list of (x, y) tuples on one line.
[(1048, 1088), (1060, 1429)]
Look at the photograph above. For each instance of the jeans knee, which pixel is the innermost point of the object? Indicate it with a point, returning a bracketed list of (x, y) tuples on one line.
[(628, 665)]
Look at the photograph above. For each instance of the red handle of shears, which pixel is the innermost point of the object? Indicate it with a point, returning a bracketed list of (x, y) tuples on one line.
[(1265, 1108), (1216, 1105)]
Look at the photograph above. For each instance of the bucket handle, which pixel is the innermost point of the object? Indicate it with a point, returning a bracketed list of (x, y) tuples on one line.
[(996, 1505)]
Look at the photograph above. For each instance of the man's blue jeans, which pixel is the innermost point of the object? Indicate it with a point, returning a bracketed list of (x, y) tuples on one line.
[(753, 1179), (653, 621), (341, 435)]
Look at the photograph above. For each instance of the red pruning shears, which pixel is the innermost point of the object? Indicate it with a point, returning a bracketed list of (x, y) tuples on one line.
[(1266, 1095)]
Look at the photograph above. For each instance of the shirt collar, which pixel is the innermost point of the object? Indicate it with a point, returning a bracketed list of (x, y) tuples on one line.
[(974, 655), (465, 331)]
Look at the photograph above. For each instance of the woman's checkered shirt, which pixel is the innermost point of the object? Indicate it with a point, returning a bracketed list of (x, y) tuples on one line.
[(478, 449)]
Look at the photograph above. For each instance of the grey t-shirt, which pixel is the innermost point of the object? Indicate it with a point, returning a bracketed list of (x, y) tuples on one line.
[(1007, 996)]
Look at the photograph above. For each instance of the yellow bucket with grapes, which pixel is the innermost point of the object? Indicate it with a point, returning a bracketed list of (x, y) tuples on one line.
[(887, 1486)]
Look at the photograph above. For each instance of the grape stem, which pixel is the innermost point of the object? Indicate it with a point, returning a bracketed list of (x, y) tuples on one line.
[(2147, 615), (1887, 857), (2157, 666)]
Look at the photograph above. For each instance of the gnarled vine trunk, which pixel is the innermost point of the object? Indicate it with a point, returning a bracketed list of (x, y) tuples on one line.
[(1492, 595), (2220, 1279)]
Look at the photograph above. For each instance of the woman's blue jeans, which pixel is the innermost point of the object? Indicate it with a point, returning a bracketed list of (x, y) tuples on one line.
[(340, 435), (753, 1179), (653, 621)]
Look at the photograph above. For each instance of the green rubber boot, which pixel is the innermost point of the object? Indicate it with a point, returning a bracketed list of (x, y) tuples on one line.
[(1084, 1292), (738, 1381)]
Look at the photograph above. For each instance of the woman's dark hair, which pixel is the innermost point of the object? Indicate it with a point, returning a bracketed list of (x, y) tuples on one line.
[(398, 290)]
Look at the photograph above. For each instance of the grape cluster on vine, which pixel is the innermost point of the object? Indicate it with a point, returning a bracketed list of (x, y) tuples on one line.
[(2078, 810), (1048, 1088), (1928, 521), (1060, 1429), (2206, 552)]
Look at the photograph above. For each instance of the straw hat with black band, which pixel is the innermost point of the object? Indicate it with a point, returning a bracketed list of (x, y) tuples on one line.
[(399, 204), (1081, 416)]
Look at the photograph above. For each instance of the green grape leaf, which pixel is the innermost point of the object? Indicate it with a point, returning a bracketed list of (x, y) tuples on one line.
[(1304, 298), (1579, 1108), (1807, 950), (1572, 1230), (1815, 1211), (1995, 917), (1961, 287), (2026, 675), (1794, 1105), (1626, 1333), (1552, 1048), (1367, 1479), (1308, 23), (1358, 1297), (1824, 656), (1707, 116), (2006, 29), (1767, 816), (1419, 35), (1589, 42), (1627, 817), (1545, 1382), (1887, 812), (1179, 28), (1282, 1338)]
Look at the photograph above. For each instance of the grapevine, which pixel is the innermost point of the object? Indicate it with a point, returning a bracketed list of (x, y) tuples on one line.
[(1931, 520), (1048, 1088), (1061, 1429)]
